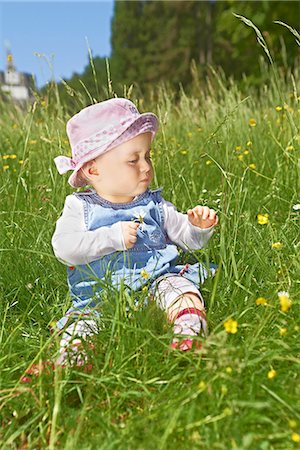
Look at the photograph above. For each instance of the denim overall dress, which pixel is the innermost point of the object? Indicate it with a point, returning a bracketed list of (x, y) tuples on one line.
[(153, 254)]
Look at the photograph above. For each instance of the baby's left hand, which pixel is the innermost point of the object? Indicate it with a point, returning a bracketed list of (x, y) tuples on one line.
[(202, 216)]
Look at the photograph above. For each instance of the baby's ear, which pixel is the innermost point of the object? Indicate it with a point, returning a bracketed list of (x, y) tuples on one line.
[(88, 169)]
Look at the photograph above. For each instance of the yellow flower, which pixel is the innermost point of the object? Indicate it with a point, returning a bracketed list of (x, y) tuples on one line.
[(13, 156), (272, 374), (227, 412), (21, 161), (145, 288), (292, 423), (277, 245), (202, 386), (249, 144), (297, 137), (238, 148), (144, 274), (231, 326), (295, 437), (282, 331), (261, 301), (262, 219), (252, 166), (32, 141), (183, 152), (228, 370), (5, 167), (43, 103), (240, 157), (252, 122), (189, 134), (15, 126), (298, 98), (285, 301), (6, 156), (208, 162), (224, 389), (278, 108), (290, 147), (246, 152)]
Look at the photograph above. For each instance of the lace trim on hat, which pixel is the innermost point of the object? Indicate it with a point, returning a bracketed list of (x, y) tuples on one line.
[(134, 130)]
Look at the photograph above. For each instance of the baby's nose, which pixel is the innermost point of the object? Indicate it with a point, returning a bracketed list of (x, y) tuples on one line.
[(145, 166)]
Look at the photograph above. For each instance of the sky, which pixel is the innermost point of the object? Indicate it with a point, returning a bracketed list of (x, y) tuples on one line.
[(60, 32)]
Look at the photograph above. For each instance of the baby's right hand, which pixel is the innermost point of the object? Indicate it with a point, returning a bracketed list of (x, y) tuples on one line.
[(129, 233)]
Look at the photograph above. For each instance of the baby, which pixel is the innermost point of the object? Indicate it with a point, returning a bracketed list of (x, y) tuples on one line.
[(122, 232)]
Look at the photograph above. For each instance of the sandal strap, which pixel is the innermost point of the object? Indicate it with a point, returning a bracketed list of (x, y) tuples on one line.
[(196, 311)]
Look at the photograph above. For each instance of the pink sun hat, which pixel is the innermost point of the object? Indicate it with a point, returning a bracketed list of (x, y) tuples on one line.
[(99, 128)]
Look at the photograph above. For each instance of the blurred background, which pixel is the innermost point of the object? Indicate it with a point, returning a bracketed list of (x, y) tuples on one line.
[(141, 43)]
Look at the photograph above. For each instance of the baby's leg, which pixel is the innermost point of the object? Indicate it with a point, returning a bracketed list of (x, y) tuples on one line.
[(71, 344), (188, 300), (184, 306)]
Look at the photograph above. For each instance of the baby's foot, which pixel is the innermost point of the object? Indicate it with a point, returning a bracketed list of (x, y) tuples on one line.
[(72, 349), (190, 322), (74, 355)]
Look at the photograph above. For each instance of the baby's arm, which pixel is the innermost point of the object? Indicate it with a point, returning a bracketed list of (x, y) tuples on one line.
[(180, 230), (73, 244)]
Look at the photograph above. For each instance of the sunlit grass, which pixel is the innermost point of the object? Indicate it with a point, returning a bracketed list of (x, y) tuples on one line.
[(237, 154)]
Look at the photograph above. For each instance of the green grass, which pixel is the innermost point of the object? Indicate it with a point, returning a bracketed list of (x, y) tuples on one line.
[(140, 395)]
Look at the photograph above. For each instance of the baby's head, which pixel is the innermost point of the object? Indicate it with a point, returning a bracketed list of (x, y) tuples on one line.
[(111, 144)]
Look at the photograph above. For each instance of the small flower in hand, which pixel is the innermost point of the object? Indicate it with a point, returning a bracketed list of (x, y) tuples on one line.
[(202, 216)]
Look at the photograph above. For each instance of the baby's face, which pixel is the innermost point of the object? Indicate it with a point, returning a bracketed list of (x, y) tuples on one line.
[(126, 170)]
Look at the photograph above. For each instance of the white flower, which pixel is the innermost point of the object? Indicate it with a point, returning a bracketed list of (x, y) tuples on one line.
[(139, 217), (285, 301), (283, 294), (296, 207)]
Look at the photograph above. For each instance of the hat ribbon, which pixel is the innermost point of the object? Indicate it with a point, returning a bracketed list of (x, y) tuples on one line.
[(63, 164)]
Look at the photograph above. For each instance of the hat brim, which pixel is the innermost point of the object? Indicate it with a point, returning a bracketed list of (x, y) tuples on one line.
[(146, 122)]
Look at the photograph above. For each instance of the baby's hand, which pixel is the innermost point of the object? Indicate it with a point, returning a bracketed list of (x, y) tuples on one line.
[(129, 233), (202, 216)]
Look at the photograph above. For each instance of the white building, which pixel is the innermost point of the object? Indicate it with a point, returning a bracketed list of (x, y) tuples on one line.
[(17, 84)]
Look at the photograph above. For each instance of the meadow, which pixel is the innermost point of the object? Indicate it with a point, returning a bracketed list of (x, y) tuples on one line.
[(237, 153)]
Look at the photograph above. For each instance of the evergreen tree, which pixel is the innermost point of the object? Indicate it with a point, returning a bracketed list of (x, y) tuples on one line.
[(158, 41)]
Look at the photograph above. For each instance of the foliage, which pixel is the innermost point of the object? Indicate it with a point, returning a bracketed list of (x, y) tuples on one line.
[(166, 41)]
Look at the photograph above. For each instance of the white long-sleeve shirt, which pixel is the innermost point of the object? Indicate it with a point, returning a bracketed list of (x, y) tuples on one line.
[(73, 244)]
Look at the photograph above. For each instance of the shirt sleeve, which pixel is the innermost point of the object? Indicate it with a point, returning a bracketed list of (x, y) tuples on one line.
[(180, 230), (73, 244)]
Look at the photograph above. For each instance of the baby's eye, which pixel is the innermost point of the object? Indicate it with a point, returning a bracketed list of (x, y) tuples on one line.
[(133, 161)]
